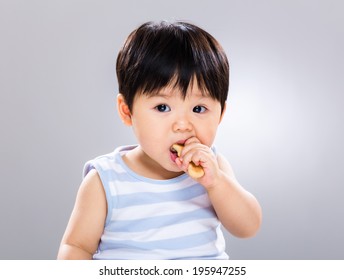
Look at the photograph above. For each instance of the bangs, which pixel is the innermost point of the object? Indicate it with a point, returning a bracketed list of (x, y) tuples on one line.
[(174, 78), (170, 61)]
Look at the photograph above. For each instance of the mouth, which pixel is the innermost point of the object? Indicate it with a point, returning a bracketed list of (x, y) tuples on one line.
[(176, 149)]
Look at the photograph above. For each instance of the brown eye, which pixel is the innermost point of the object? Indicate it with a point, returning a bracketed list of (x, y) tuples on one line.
[(163, 108), (199, 109)]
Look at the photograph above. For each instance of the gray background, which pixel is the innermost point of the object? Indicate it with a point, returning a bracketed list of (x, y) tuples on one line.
[(283, 131)]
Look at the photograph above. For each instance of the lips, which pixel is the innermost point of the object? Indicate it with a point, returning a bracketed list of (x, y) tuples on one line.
[(181, 142)]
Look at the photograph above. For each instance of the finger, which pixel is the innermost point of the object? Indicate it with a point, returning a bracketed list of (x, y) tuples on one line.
[(180, 165), (197, 156), (191, 146), (191, 140)]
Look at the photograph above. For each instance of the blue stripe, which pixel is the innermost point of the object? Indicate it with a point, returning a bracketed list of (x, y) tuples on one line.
[(142, 198), (160, 221), (128, 175), (178, 243)]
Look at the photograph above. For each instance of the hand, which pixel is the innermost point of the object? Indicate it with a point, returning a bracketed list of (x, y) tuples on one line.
[(201, 155)]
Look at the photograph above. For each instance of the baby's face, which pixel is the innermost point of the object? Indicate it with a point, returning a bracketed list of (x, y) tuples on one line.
[(161, 120)]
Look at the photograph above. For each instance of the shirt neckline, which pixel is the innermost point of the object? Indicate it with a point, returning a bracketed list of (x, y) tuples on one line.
[(122, 150)]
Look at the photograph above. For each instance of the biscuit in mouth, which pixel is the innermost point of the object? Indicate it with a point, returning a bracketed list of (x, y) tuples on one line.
[(177, 149)]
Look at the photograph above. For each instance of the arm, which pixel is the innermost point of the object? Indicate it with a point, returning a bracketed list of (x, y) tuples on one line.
[(237, 209), (86, 223)]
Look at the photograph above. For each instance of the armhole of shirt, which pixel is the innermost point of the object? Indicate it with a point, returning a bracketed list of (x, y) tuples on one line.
[(93, 165)]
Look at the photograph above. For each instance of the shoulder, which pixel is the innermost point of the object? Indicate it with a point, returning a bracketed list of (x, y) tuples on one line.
[(111, 161)]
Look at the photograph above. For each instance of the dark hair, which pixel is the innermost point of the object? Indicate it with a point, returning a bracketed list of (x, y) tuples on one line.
[(155, 54)]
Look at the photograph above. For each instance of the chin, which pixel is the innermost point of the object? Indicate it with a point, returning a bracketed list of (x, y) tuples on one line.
[(174, 169)]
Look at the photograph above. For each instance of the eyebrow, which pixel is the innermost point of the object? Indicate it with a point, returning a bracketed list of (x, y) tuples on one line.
[(160, 94), (165, 95)]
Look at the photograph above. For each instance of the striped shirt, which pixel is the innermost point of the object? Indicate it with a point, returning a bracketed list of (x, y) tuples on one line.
[(154, 219)]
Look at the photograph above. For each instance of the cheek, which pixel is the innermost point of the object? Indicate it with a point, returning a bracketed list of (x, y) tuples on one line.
[(147, 129), (207, 133), (141, 128)]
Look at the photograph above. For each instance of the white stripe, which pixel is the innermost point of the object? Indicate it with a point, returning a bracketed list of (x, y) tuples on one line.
[(195, 252), (173, 231), (107, 165), (160, 209), (123, 188)]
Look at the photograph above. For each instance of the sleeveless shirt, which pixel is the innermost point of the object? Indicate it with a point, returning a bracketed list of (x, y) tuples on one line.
[(154, 219)]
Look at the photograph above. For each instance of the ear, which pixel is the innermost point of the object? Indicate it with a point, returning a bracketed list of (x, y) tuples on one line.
[(223, 112), (123, 110)]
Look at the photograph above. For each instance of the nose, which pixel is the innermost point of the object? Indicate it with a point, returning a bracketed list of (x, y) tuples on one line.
[(182, 124)]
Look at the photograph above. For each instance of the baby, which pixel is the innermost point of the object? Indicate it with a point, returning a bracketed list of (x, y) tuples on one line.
[(144, 201)]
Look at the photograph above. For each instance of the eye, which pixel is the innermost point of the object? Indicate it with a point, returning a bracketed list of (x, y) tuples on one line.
[(163, 108), (199, 109)]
